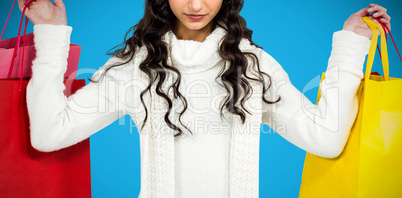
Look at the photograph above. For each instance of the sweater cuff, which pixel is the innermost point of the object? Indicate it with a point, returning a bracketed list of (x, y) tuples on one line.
[(52, 40)]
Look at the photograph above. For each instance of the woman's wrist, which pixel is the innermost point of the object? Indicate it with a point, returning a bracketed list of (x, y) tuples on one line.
[(357, 30)]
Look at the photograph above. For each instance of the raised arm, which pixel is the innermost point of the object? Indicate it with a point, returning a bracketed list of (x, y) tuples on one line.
[(57, 122), (320, 129), (323, 129)]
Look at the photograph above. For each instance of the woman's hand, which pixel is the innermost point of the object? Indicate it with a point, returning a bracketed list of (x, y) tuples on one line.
[(45, 12), (356, 24)]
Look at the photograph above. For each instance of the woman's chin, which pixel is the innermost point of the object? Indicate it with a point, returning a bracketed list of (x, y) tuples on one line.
[(196, 26)]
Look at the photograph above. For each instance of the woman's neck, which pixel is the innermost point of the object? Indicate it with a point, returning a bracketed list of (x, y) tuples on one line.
[(183, 33)]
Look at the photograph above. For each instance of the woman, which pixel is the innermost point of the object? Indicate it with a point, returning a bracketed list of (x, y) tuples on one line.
[(199, 88)]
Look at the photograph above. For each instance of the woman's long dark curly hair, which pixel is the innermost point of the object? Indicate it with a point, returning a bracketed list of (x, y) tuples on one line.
[(159, 19)]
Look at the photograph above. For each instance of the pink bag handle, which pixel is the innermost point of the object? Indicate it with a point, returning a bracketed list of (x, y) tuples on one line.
[(18, 41), (2, 33)]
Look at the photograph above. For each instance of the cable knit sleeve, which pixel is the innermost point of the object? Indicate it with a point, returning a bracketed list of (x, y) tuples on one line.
[(56, 121), (321, 129)]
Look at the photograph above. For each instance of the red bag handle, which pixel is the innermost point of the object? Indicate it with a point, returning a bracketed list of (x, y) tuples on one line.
[(18, 41)]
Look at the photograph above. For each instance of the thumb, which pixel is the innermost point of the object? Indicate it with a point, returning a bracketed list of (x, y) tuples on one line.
[(363, 12), (21, 5), (59, 3)]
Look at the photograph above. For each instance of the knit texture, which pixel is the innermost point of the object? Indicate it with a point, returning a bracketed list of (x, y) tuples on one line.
[(58, 122)]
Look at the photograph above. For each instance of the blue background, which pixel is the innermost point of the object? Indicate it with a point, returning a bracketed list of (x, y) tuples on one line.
[(298, 34)]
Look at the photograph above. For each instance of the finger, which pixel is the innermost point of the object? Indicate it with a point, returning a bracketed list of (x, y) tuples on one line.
[(21, 4), (363, 12), (384, 18), (386, 23), (59, 3), (376, 8), (382, 15), (29, 2)]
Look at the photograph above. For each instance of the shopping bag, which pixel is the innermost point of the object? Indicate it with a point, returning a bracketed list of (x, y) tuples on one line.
[(26, 172), (371, 162), (7, 48), (12, 47)]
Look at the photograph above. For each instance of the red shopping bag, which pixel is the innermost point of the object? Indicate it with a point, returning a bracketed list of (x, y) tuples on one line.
[(6, 53), (26, 172)]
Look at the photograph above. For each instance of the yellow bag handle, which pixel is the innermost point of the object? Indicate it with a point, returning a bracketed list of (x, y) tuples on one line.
[(384, 52)]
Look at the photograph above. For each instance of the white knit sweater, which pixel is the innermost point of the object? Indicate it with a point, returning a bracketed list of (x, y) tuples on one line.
[(219, 160)]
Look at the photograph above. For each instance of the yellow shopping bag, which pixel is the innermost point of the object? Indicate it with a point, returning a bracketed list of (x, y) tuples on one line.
[(371, 162)]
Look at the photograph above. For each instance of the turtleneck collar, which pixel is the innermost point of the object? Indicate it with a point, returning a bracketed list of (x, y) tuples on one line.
[(192, 56)]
